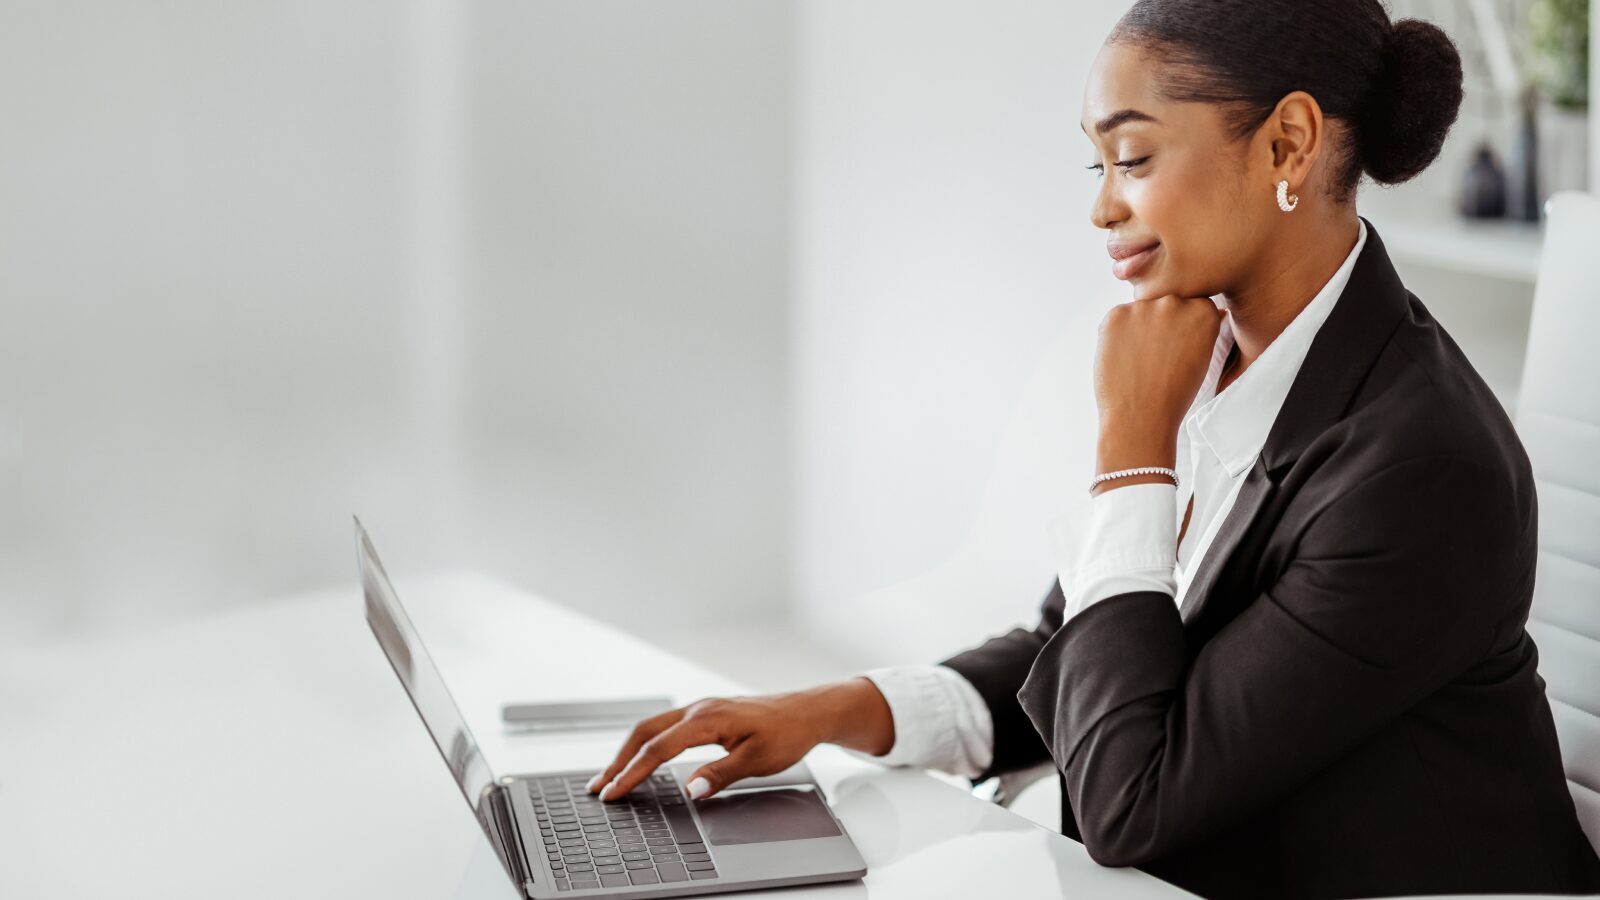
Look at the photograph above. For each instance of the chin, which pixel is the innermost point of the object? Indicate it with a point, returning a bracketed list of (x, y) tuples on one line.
[(1148, 289)]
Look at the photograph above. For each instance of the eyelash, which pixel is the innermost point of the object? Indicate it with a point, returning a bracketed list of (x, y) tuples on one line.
[(1125, 165)]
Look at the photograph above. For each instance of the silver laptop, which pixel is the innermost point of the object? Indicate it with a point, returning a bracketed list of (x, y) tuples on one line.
[(557, 840)]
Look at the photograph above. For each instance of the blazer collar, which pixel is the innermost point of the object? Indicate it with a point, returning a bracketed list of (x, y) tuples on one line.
[(1236, 421), (1341, 354)]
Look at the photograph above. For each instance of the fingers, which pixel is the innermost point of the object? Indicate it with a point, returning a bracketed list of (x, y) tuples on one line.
[(744, 761), (643, 731), (657, 750)]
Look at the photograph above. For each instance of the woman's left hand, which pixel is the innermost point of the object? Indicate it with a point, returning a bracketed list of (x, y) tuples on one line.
[(1152, 358)]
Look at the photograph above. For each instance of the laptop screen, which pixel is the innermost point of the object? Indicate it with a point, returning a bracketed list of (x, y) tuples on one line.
[(400, 642)]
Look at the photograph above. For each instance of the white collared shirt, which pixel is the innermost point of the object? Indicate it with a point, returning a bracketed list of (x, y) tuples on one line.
[(1131, 543)]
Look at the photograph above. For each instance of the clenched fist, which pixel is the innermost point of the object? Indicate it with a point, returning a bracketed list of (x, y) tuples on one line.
[(1152, 358)]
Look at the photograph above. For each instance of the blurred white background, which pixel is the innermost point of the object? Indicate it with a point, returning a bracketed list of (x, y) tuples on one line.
[(712, 318)]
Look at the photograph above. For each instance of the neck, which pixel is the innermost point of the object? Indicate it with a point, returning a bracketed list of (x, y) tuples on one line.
[(1294, 269)]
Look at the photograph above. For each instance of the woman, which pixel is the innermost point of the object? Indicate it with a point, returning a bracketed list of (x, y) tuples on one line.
[(1315, 680)]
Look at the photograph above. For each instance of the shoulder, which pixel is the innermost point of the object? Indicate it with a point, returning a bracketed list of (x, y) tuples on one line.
[(1423, 459), (1423, 399)]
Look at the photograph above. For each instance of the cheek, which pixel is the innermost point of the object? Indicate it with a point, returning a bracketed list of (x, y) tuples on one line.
[(1196, 220), (1177, 208)]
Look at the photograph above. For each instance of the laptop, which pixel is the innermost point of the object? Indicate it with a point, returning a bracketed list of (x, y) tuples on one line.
[(555, 839)]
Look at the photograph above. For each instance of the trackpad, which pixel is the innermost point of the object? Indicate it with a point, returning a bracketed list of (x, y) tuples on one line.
[(761, 815)]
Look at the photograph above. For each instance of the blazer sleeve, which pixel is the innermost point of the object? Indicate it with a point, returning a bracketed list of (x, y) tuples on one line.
[(1391, 593), (997, 668)]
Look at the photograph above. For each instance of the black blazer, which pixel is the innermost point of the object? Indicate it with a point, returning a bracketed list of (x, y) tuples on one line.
[(1348, 704)]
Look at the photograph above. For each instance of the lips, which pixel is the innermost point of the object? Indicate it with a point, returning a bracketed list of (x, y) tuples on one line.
[(1131, 257)]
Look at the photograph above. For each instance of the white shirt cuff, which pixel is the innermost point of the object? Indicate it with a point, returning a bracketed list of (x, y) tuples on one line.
[(1130, 545), (940, 720)]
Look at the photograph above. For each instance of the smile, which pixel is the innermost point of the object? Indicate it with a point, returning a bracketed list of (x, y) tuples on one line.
[(1128, 260)]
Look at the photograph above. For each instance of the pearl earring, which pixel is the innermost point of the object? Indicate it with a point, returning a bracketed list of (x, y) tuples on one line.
[(1287, 201)]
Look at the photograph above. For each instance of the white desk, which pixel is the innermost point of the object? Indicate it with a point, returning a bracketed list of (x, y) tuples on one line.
[(270, 752)]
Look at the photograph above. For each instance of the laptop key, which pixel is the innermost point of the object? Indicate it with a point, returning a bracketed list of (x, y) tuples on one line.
[(639, 864), (645, 876), (614, 880), (632, 855), (691, 875), (672, 871), (609, 870), (697, 857), (584, 885), (700, 867)]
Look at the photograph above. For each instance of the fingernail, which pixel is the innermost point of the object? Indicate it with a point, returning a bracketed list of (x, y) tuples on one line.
[(593, 782), (698, 788), (605, 793)]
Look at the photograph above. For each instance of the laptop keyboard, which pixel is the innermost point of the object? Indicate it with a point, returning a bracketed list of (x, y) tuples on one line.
[(647, 837)]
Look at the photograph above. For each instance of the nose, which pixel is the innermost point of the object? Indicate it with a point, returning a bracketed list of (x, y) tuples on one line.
[(1108, 209)]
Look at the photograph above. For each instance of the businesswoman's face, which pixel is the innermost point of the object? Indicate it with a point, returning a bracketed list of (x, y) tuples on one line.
[(1187, 203)]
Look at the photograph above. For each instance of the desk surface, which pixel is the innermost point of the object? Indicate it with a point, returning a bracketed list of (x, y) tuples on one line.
[(270, 752)]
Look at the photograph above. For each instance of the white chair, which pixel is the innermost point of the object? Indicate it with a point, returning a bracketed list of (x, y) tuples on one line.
[(1558, 418)]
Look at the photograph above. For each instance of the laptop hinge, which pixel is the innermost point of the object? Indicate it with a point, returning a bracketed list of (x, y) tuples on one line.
[(504, 825)]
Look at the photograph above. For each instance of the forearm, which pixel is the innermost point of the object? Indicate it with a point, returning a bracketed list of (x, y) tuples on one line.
[(854, 715)]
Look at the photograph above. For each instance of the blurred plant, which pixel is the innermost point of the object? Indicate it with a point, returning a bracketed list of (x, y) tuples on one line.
[(1558, 61)]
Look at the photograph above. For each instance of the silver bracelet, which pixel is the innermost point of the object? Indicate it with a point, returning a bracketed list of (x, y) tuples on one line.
[(1142, 470)]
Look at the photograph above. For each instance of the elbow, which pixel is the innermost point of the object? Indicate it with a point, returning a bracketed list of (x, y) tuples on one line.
[(1121, 845)]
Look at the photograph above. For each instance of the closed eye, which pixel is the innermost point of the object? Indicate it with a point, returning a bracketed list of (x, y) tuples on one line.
[(1124, 165)]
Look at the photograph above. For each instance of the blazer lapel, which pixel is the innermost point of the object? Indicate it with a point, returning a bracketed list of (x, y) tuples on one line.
[(1342, 352)]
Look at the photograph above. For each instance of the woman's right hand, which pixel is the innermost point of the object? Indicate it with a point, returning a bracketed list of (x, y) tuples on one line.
[(763, 735)]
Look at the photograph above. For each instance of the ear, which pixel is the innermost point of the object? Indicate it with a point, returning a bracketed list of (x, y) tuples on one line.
[(1295, 133)]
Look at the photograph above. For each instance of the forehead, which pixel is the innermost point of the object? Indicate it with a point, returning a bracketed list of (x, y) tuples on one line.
[(1121, 77)]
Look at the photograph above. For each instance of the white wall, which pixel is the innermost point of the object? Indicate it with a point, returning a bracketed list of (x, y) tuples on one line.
[(942, 241), (510, 278), (628, 179), (505, 277), (202, 366)]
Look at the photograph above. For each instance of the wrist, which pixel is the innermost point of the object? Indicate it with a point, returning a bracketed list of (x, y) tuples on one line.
[(1127, 448), (1123, 447), (854, 714)]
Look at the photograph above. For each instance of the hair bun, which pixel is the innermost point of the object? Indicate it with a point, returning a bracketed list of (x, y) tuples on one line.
[(1416, 96)]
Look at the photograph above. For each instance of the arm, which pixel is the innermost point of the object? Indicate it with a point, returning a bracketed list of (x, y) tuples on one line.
[(1129, 546), (940, 722), (1391, 594), (960, 717), (997, 669)]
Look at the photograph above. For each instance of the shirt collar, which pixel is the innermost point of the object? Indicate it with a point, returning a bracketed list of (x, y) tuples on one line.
[(1235, 422)]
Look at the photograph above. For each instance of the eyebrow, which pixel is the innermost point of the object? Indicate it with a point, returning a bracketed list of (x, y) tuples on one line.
[(1121, 117)]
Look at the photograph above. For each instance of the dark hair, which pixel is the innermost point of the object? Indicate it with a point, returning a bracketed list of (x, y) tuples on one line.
[(1395, 86)]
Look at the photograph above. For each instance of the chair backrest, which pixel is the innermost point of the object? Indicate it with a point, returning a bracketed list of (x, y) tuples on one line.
[(1558, 419)]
